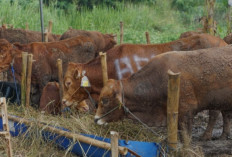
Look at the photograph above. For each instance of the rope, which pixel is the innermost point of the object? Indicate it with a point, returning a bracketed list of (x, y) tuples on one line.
[(162, 151), (13, 73), (107, 113), (128, 111), (91, 99), (145, 125)]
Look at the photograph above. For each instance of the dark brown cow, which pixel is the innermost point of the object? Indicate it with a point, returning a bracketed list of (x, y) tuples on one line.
[(79, 49), (188, 34), (50, 99), (228, 39), (122, 61), (205, 84), (103, 42), (24, 36)]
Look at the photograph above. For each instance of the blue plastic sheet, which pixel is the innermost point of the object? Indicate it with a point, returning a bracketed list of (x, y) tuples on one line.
[(144, 149)]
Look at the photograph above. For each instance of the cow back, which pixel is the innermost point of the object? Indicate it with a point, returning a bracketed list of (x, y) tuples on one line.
[(24, 36), (103, 42)]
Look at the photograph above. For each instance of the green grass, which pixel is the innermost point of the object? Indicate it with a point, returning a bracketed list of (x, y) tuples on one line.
[(163, 22)]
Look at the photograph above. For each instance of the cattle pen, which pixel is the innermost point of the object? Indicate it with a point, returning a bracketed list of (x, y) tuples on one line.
[(32, 119), (90, 145), (55, 135), (56, 126), (17, 128)]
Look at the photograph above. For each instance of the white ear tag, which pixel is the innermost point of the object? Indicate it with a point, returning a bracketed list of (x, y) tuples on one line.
[(85, 81)]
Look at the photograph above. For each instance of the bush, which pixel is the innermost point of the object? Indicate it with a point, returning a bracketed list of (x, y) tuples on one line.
[(64, 4)]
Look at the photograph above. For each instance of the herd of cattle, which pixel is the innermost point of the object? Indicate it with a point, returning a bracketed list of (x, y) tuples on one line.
[(137, 72)]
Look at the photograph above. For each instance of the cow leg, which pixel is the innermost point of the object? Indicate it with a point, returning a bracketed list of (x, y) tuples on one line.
[(35, 95), (226, 125), (213, 115), (43, 80), (185, 124)]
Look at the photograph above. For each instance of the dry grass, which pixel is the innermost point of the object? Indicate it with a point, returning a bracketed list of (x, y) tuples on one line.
[(34, 145)]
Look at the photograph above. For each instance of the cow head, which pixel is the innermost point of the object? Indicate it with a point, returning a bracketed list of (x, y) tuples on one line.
[(7, 53), (73, 92), (110, 41), (110, 102)]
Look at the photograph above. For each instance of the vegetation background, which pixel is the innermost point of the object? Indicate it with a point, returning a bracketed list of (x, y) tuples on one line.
[(165, 20)]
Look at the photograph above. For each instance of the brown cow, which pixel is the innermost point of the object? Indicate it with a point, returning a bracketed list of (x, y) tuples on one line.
[(188, 34), (103, 42), (24, 36), (228, 38), (50, 100), (79, 49), (122, 61), (205, 84)]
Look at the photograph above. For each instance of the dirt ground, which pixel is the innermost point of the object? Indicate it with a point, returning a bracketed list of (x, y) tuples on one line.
[(214, 147)]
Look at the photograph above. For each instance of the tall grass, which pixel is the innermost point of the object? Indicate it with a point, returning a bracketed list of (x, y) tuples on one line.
[(160, 20)]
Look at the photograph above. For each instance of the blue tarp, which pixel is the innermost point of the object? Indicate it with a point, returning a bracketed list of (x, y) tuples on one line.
[(144, 149)]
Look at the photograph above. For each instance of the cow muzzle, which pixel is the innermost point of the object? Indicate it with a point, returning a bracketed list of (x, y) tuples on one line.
[(99, 121)]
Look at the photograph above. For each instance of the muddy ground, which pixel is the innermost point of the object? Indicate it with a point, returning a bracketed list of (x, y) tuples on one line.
[(214, 147)]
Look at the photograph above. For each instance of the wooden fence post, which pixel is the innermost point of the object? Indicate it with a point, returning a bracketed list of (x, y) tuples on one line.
[(46, 35), (27, 26), (147, 38), (6, 129), (114, 143), (23, 78), (172, 108), (104, 67), (121, 32), (4, 26), (229, 17), (29, 70), (60, 76), (210, 10), (50, 27)]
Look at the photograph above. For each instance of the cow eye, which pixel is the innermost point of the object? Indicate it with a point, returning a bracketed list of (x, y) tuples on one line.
[(105, 101), (67, 84)]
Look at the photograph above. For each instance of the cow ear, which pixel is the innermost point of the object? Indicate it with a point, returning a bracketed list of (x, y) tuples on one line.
[(17, 45), (77, 74)]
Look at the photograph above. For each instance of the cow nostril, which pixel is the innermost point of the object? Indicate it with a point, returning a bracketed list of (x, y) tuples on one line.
[(95, 120)]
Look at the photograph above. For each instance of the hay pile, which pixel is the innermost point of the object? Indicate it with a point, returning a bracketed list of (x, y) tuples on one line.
[(34, 145)]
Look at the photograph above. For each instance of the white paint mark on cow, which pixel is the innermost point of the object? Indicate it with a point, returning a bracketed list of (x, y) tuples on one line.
[(120, 71), (127, 62), (138, 60)]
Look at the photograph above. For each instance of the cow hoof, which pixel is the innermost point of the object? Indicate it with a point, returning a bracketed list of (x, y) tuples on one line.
[(224, 137)]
